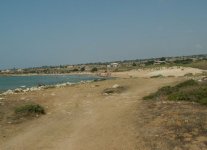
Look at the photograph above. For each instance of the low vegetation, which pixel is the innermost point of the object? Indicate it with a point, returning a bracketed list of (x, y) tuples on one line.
[(75, 70), (195, 61), (94, 69), (157, 76), (116, 90), (82, 69), (189, 90), (188, 75), (29, 109), (201, 64), (183, 61), (134, 64)]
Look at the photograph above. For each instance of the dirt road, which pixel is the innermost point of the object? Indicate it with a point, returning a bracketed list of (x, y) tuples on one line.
[(81, 117)]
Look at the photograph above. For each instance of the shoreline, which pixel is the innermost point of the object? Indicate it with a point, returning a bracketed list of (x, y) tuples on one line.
[(165, 72), (38, 88), (43, 74), (24, 88)]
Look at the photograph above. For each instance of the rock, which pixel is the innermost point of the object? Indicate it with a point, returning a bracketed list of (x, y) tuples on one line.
[(115, 86), (26, 90), (8, 92), (53, 94), (177, 148), (18, 90), (204, 78), (2, 103), (35, 88), (187, 139), (200, 80)]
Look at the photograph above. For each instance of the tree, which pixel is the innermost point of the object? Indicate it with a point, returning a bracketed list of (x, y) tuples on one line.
[(75, 69), (134, 64), (149, 62), (82, 69), (94, 69), (162, 59)]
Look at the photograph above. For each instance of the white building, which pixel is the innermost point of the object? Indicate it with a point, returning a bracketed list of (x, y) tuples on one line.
[(5, 71), (113, 65)]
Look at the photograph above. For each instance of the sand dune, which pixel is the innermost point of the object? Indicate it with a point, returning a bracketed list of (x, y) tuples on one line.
[(172, 71)]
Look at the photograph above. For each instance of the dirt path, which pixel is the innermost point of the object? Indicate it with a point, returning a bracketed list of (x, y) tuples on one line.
[(83, 118)]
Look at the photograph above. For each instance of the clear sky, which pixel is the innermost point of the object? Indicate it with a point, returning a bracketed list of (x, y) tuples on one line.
[(54, 32)]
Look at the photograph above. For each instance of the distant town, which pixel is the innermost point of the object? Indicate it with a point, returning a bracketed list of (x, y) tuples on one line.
[(196, 61)]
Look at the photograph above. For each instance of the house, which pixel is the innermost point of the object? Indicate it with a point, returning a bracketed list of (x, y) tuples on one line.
[(113, 65), (70, 66), (19, 70), (6, 71), (158, 62)]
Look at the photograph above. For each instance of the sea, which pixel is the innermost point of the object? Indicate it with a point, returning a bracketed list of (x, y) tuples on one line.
[(14, 82)]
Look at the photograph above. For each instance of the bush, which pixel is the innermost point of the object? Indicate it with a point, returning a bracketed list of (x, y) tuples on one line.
[(187, 83), (157, 76), (134, 64), (82, 69), (94, 69), (188, 75), (203, 101), (75, 70), (148, 97), (189, 90), (180, 96), (30, 109), (150, 62), (162, 59), (161, 92), (184, 61), (167, 90)]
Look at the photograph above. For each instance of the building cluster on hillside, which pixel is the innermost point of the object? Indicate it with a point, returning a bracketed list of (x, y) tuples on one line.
[(105, 66)]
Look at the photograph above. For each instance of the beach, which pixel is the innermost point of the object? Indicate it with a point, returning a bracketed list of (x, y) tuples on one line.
[(84, 117)]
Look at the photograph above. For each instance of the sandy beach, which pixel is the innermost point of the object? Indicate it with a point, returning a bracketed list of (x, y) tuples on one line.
[(83, 117), (166, 72)]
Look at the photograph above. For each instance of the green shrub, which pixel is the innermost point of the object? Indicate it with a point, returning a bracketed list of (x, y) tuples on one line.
[(151, 96), (162, 59), (150, 62), (161, 92), (189, 90), (188, 75), (82, 69), (30, 109), (187, 83), (166, 90), (184, 61), (157, 76), (94, 69), (134, 64), (179, 96), (203, 101), (75, 70)]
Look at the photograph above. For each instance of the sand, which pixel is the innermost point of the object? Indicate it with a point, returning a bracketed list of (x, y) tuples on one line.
[(171, 71)]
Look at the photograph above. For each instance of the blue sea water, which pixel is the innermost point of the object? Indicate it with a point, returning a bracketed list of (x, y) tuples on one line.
[(13, 82)]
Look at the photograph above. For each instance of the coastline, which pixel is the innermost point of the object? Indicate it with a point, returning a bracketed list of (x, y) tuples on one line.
[(25, 89), (43, 74), (146, 73)]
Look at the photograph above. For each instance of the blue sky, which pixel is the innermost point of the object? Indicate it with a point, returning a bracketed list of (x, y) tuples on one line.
[(54, 32)]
